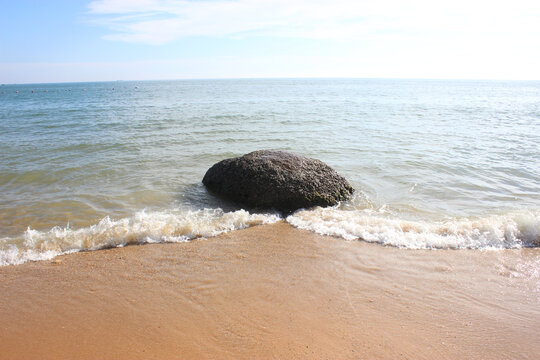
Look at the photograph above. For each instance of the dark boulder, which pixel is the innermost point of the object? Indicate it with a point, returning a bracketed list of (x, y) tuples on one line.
[(278, 180)]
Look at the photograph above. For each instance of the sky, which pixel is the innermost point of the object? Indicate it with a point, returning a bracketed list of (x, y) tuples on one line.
[(104, 40)]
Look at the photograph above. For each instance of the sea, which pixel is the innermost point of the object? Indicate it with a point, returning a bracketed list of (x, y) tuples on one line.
[(436, 164)]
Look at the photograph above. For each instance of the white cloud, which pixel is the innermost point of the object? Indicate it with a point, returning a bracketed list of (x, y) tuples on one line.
[(377, 38), (162, 21)]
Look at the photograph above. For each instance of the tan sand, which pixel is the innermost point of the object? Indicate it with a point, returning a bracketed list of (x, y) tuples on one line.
[(273, 291)]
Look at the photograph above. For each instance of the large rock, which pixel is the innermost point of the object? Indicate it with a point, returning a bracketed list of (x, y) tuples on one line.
[(278, 180)]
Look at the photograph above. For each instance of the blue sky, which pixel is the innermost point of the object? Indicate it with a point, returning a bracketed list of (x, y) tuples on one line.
[(58, 41)]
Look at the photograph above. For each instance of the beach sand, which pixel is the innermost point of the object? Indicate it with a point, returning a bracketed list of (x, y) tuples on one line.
[(273, 291)]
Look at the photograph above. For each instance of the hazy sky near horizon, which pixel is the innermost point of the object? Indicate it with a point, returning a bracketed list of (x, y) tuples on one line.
[(76, 40)]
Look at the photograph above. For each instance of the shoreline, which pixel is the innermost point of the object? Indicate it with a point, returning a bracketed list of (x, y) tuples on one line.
[(273, 291)]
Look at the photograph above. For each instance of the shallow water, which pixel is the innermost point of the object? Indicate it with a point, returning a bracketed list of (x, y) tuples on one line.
[(436, 164)]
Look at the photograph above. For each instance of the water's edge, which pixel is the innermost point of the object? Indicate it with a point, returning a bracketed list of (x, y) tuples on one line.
[(510, 231)]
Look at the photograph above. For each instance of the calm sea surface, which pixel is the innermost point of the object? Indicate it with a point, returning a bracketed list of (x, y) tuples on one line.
[(436, 164)]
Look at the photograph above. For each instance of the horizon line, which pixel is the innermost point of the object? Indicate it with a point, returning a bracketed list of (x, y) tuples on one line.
[(275, 78)]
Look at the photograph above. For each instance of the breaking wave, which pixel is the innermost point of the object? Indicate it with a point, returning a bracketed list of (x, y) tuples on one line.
[(143, 227), (513, 230)]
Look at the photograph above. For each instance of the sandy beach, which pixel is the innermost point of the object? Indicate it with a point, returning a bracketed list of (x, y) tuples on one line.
[(273, 291)]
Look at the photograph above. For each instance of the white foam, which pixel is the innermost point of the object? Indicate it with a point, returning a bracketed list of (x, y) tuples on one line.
[(143, 227), (512, 230)]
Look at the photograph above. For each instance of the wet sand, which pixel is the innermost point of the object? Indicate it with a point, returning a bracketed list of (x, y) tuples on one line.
[(273, 291)]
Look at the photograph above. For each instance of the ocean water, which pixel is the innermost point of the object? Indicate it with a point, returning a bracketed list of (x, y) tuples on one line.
[(435, 164)]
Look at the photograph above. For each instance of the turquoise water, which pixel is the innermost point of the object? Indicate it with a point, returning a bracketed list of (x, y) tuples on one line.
[(435, 163)]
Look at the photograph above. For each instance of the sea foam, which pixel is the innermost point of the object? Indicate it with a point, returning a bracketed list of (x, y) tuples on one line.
[(143, 227), (512, 230)]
